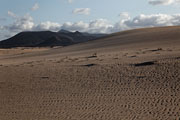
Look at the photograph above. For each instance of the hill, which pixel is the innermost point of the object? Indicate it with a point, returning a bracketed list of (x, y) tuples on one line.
[(137, 38), (47, 38)]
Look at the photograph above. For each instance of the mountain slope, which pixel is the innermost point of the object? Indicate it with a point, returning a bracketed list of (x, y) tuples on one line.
[(47, 38)]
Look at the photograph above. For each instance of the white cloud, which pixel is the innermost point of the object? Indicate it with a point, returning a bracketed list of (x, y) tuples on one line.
[(77, 26), (47, 26), (124, 15), (83, 11), (142, 21), (26, 23), (100, 26), (163, 2), (35, 7), (96, 26), (70, 1), (11, 14), (21, 24)]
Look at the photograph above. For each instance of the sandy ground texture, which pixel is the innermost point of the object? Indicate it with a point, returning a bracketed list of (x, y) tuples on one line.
[(132, 75)]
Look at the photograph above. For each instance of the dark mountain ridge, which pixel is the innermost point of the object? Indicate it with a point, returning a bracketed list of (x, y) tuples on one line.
[(47, 39)]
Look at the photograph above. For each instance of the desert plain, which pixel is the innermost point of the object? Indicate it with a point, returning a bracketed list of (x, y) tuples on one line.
[(131, 75)]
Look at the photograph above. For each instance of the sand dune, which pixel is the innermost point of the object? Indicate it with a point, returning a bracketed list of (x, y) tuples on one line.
[(131, 75)]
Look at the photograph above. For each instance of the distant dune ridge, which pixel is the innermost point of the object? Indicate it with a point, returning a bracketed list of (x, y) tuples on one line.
[(130, 39), (47, 39), (139, 37)]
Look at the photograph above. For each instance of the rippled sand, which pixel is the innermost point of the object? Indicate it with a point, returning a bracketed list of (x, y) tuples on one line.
[(118, 82)]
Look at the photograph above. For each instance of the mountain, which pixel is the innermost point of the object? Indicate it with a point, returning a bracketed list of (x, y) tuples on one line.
[(47, 38), (79, 37), (64, 31)]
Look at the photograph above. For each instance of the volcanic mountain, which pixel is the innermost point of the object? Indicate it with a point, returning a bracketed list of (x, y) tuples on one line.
[(47, 39)]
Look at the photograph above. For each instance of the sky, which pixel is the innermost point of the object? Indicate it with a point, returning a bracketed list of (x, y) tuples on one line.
[(93, 16)]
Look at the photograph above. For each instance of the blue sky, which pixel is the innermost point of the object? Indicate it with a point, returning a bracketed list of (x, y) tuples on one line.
[(102, 16)]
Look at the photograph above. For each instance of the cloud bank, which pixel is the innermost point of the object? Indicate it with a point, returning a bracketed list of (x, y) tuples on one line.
[(26, 23), (163, 2)]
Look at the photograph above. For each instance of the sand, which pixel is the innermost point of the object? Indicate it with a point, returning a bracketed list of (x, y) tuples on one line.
[(116, 80)]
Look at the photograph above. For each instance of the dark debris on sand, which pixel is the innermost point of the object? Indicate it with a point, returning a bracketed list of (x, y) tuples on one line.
[(145, 64)]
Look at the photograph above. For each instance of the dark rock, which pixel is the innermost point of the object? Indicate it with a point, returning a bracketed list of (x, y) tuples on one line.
[(144, 64), (89, 65)]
